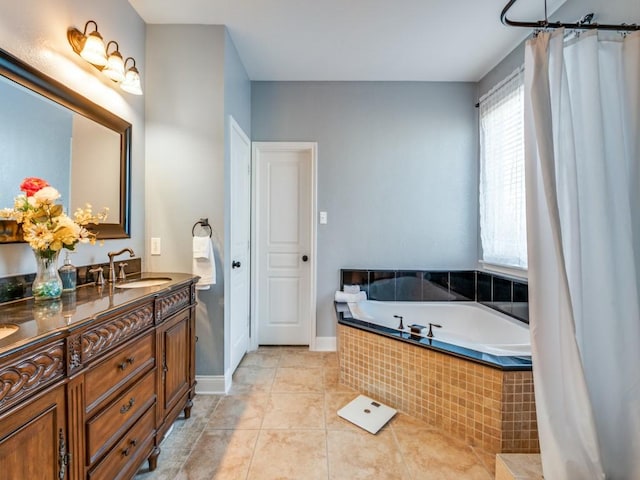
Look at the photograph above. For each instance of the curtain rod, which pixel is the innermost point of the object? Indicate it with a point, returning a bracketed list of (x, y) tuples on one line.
[(583, 24)]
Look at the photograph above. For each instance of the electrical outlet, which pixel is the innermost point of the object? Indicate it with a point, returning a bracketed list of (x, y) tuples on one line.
[(323, 218), (155, 246)]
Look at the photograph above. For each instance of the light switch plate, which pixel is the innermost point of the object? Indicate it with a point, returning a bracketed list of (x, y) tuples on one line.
[(155, 246), (323, 218)]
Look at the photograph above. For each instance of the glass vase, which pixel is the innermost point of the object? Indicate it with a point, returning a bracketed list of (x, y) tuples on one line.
[(47, 284)]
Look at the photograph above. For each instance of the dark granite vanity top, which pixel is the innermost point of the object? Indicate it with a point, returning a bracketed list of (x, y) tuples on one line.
[(45, 320)]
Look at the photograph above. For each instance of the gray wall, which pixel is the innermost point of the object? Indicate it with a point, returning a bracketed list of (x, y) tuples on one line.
[(185, 158), (36, 32), (188, 103), (397, 172)]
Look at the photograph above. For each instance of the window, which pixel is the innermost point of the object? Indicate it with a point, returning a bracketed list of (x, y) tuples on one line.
[(503, 231)]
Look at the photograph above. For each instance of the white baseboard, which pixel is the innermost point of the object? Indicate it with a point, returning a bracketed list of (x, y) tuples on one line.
[(325, 344), (213, 384)]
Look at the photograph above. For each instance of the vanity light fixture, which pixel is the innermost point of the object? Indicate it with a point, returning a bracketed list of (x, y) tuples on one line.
[(131, 82), (91, 47), (114, 69)]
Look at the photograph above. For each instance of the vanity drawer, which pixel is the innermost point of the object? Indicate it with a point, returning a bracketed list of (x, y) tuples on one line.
[(105, 427), (128, 452), (113, 373)]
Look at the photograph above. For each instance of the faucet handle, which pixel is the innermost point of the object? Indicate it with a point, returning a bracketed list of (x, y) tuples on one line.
[(122, 275), (100, 279)]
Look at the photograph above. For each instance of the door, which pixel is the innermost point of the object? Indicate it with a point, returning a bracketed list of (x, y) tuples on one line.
[(240, 231), (174, 338), (285, 242), (33, 440)]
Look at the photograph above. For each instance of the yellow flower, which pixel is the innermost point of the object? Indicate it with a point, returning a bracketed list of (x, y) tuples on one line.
[(45, 226)]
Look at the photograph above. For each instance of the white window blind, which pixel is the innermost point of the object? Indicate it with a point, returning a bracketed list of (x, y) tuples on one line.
[(502, 196)]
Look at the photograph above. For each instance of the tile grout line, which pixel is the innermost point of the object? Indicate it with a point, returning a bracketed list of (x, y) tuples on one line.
[(195, 442), (260, 431), (402, 455)]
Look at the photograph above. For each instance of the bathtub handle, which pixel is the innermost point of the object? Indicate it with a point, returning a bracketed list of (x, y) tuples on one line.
[(430, 334), (401, 326)]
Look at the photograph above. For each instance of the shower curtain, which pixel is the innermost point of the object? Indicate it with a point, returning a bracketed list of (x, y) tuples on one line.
[(582, 142)]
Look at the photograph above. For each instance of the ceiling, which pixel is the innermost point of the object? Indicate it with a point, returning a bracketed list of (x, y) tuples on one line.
[(366, 40)]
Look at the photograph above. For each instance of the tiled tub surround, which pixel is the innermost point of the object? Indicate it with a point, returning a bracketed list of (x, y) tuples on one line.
[(490, 408), (486, 400), (507, 295)]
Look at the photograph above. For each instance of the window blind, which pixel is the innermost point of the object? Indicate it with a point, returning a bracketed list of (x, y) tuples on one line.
[(503, 232)]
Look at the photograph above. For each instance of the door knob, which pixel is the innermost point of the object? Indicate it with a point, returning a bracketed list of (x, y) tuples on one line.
[(305, 258), (235, 264)]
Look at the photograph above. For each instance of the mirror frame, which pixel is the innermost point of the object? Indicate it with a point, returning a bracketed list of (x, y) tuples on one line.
[(23, 74)]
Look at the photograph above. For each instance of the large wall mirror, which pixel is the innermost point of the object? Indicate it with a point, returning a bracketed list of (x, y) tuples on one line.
[(49, 131)]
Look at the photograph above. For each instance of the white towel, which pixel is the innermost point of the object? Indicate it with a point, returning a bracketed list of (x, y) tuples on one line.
[(342, 297), (204, 262), (351, 288)]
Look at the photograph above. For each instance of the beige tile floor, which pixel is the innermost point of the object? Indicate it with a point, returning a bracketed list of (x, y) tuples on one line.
[(279, 421)]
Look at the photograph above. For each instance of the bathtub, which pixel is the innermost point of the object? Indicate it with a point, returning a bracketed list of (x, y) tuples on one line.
[(469, 325)]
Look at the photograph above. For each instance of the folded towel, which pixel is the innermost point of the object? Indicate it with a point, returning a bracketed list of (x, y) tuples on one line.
[(201, 247), (204, 262), (351, 288), (343, 297)]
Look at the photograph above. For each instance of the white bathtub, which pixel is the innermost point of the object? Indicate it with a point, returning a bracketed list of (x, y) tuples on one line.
[(466, 324)]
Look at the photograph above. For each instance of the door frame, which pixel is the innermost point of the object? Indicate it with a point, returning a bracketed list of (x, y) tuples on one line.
[(256, 148)]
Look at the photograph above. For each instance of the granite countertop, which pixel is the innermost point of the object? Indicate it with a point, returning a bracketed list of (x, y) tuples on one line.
[(46, 320)]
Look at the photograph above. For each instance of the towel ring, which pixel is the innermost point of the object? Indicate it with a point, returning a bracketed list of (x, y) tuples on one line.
[(204, 223)]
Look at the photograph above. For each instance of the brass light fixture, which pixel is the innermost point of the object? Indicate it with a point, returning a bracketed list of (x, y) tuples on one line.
[(131, 82), (91, 47), (114, 69)]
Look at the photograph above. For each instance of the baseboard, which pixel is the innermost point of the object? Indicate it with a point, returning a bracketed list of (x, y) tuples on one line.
[(325, 344), (213, 384)]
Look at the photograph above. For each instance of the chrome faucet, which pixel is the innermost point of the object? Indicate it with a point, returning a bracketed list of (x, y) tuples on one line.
[(112, 267)]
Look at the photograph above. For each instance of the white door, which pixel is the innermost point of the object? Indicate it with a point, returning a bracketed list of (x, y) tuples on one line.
[(284, 255), (240, 231)]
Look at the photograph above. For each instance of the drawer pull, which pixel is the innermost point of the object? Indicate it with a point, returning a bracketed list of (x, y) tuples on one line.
[(126, 451), (126, 363), (127, 407)]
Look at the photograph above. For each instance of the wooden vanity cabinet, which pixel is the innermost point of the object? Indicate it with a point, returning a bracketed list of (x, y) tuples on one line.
[(96, 402)]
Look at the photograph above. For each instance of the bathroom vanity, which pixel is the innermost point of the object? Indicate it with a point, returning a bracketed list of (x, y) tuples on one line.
[(89, 385)]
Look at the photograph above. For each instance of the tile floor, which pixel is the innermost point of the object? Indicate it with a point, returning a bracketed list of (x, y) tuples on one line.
[(279, 421)]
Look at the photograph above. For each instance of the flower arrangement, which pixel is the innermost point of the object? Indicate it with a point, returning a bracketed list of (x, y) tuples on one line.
[(47, 229), (45, 226)]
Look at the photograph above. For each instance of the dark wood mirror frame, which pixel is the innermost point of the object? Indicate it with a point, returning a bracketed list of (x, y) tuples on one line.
[(27, 76)]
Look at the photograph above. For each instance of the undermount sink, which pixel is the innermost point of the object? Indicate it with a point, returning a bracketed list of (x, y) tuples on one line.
[(144, 282), (7, 329)]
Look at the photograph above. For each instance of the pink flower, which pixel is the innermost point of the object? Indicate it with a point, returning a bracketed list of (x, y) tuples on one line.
[(31, 185)]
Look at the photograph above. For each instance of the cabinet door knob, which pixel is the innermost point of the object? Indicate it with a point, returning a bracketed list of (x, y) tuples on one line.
[(235, 264), (305, 258)]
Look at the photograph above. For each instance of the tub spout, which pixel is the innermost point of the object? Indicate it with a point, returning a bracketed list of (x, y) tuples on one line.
[(417, 329), (431, 325), (401, 326)]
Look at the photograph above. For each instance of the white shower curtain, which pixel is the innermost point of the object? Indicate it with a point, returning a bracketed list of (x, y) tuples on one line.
[(582, 123)]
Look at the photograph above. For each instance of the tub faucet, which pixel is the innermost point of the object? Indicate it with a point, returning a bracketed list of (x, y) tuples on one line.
[(430, 333), (112, 268), (401, 326)]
